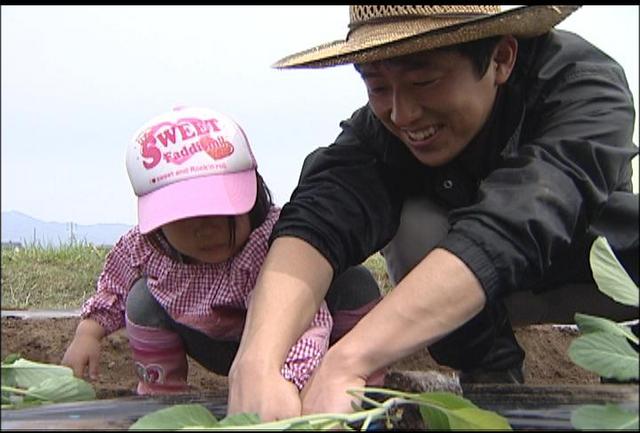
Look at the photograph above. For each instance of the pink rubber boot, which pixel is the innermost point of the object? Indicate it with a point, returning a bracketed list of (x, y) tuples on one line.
[(345, 320), (160, 360)]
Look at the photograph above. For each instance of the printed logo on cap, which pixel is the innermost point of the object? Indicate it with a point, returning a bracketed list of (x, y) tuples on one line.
[(183, 144)]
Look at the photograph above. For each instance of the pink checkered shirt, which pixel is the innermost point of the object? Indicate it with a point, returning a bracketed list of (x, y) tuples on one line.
[(212, 298)]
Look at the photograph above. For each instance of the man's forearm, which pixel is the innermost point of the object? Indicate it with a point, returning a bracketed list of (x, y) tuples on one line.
[(290, 288), (436, 297)]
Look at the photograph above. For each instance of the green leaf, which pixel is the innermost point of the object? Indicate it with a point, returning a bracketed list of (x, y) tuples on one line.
[(589, 324), (463, 415), (448, 411), (306, 425), (443, 399), (177, 417), (463, 419), (240, 419), (61, 389), (7, 379), (434, 418), (24, 373), (11, 358), (607, 355), (612, 279), (432, 405), (477, 419), (607, 417)]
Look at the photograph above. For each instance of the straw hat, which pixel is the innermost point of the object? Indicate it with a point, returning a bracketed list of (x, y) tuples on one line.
[(379, 32)]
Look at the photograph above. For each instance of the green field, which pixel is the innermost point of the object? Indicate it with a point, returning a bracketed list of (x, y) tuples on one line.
[(62, 277)]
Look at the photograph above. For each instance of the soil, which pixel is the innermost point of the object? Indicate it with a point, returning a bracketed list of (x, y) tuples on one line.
[(46, 339)]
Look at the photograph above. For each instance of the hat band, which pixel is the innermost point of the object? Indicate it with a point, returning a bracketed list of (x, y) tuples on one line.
[(378, 20), (359, 14)]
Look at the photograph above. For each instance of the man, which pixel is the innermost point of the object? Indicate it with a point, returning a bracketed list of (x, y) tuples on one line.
[(491, 153)]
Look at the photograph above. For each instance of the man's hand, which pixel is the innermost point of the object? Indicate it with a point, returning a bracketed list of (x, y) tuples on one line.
[(436, 297), (269, 395), (282, 305), (326, 391)]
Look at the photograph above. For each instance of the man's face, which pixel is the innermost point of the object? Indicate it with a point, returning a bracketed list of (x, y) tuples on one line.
[(433, 101)]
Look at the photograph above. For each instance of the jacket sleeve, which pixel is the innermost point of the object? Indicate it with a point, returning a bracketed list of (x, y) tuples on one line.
[(107, 305), (575, 150), (344, 205)]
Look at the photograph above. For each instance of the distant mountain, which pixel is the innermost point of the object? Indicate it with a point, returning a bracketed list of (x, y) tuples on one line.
[(19, 227)]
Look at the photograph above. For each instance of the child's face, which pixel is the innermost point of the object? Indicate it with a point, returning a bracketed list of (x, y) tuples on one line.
[(206, 239)]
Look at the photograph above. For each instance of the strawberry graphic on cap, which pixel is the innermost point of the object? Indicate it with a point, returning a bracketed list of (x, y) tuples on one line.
[(217, 148)]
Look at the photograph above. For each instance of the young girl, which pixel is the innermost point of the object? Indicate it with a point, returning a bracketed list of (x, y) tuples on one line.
[(181, 280)]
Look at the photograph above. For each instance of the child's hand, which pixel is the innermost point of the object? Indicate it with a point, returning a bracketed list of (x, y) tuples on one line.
[(84, 350)]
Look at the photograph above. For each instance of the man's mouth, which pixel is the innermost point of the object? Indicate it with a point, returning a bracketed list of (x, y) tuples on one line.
[(423, 134)]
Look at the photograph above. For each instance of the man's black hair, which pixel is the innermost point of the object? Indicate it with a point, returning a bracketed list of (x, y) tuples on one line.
[(478, 51)]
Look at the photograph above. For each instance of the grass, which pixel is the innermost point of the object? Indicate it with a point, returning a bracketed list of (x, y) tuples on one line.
[(63, 277), (378, 269), (50, 277)]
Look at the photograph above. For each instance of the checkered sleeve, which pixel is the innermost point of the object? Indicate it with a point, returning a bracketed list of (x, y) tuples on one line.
[(307, 353), (107, 305)]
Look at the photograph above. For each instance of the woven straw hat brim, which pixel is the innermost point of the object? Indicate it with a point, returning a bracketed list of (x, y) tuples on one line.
[(383, 40)]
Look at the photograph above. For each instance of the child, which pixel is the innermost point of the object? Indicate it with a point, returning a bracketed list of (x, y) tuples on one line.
[(181, 280)]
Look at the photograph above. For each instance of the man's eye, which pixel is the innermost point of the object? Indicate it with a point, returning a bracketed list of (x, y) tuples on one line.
[(423, 83), (377, 90)]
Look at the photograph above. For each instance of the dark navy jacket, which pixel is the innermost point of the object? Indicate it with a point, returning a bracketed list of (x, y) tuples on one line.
[(549, 170)]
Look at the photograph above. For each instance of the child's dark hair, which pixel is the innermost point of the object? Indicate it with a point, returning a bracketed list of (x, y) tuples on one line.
[(258, 213)]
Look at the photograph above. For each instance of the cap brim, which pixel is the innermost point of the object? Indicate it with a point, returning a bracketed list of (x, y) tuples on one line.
[(224, 194)]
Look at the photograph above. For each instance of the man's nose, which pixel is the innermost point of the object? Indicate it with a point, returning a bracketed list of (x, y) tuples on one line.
[(404, 109)]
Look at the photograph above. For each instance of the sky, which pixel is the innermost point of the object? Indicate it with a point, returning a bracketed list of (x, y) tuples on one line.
[(78, 81)]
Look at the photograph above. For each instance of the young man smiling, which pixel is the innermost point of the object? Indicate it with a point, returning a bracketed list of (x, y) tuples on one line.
[(491, 153)]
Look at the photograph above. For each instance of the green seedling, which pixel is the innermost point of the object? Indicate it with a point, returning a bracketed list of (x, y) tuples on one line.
[(27, 383), (604, 348), (439, 411)]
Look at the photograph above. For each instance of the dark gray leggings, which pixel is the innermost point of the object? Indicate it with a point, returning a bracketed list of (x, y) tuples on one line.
[(350, 290)]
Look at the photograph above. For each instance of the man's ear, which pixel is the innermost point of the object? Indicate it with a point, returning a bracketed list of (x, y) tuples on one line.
[(504, 58)]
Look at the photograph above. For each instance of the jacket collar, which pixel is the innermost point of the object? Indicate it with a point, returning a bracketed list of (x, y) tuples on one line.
[(483, 153)]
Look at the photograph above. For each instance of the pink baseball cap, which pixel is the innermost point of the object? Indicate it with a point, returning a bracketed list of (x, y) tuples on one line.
[(190, 162)]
